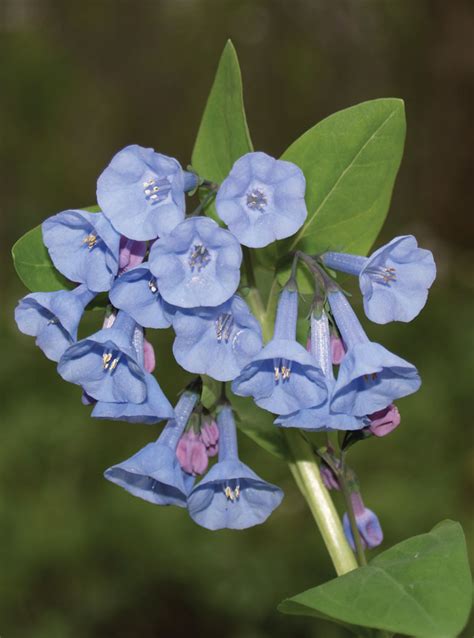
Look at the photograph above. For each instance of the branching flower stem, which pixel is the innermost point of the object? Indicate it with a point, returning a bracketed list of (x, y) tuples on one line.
[(302, 462), (345, 478)]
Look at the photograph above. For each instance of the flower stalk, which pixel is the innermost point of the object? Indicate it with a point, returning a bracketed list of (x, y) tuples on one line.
[(320, 502), (307, 476)]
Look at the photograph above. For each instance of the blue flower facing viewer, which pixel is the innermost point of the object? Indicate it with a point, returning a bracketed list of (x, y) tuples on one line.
[(142, 192), (231, 495), (262, 199), (53, 318), (217, 341), (394, 280), (367, 522), (153, 409), (84, 247), (370, 377), (321, 418), (105, 364), (283, 377), (198, 264), (136, 292), (154, 473)]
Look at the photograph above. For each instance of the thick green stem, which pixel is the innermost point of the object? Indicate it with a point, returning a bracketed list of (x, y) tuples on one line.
[(320, 502)]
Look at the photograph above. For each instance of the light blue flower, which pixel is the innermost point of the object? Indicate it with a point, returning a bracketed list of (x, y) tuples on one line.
[(262, 199), (370, 377), (153, 409), (216, 341), (136, 292), (142, 192), (394, 281), (53, 318), (154, 473), (198, 264), (367, 523), (84, 247), (105, 364), (283, 377), (231, 495), (321, 418)]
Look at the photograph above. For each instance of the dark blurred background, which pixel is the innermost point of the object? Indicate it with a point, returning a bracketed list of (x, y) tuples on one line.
[(80, 80)]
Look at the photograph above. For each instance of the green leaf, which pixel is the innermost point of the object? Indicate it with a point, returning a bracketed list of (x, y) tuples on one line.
[(350, 161), (223, 135), (421, 587), (35, 268)]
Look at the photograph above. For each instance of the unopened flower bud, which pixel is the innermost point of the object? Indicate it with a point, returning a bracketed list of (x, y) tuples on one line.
[(210, 437), (367, 523), (191, 453), (384, 421)]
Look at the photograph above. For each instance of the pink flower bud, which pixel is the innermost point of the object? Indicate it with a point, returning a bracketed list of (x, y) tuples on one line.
[(191, 453), (131, 253), (384, 421), (337, 349), (210, 437), (329, 478), (148, 356)]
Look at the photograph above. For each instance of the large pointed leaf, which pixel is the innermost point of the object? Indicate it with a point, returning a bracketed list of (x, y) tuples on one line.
[(33, 264), (223, 135), (420, 587), (350, 161)]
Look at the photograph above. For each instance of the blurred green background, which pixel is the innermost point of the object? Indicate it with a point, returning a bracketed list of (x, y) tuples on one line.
[(78, 81)]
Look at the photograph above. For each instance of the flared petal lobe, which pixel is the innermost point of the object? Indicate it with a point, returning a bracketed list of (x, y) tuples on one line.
[(154, 473), (53, 318), (142, 192), (84, 247), (198, 264), (105, 364), (262, 199), (216, 341), (394, 280), (231, 495)]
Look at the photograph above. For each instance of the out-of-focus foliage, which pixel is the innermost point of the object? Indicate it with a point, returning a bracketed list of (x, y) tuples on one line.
[(81, 558)]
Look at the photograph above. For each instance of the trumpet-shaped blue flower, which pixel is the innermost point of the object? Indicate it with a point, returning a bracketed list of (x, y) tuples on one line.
[(105, 364), (262, 199), (136, 292), (154, 473), (142, 192), (216, 341), (370, 377), (153, 409), (231, 495), (198, 264), (84, 247), (322, 417), (283, 377), (53, 318), (394, 281), (367, 522)]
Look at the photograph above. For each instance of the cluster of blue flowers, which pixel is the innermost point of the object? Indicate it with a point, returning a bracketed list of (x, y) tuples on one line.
[(162, 267)]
